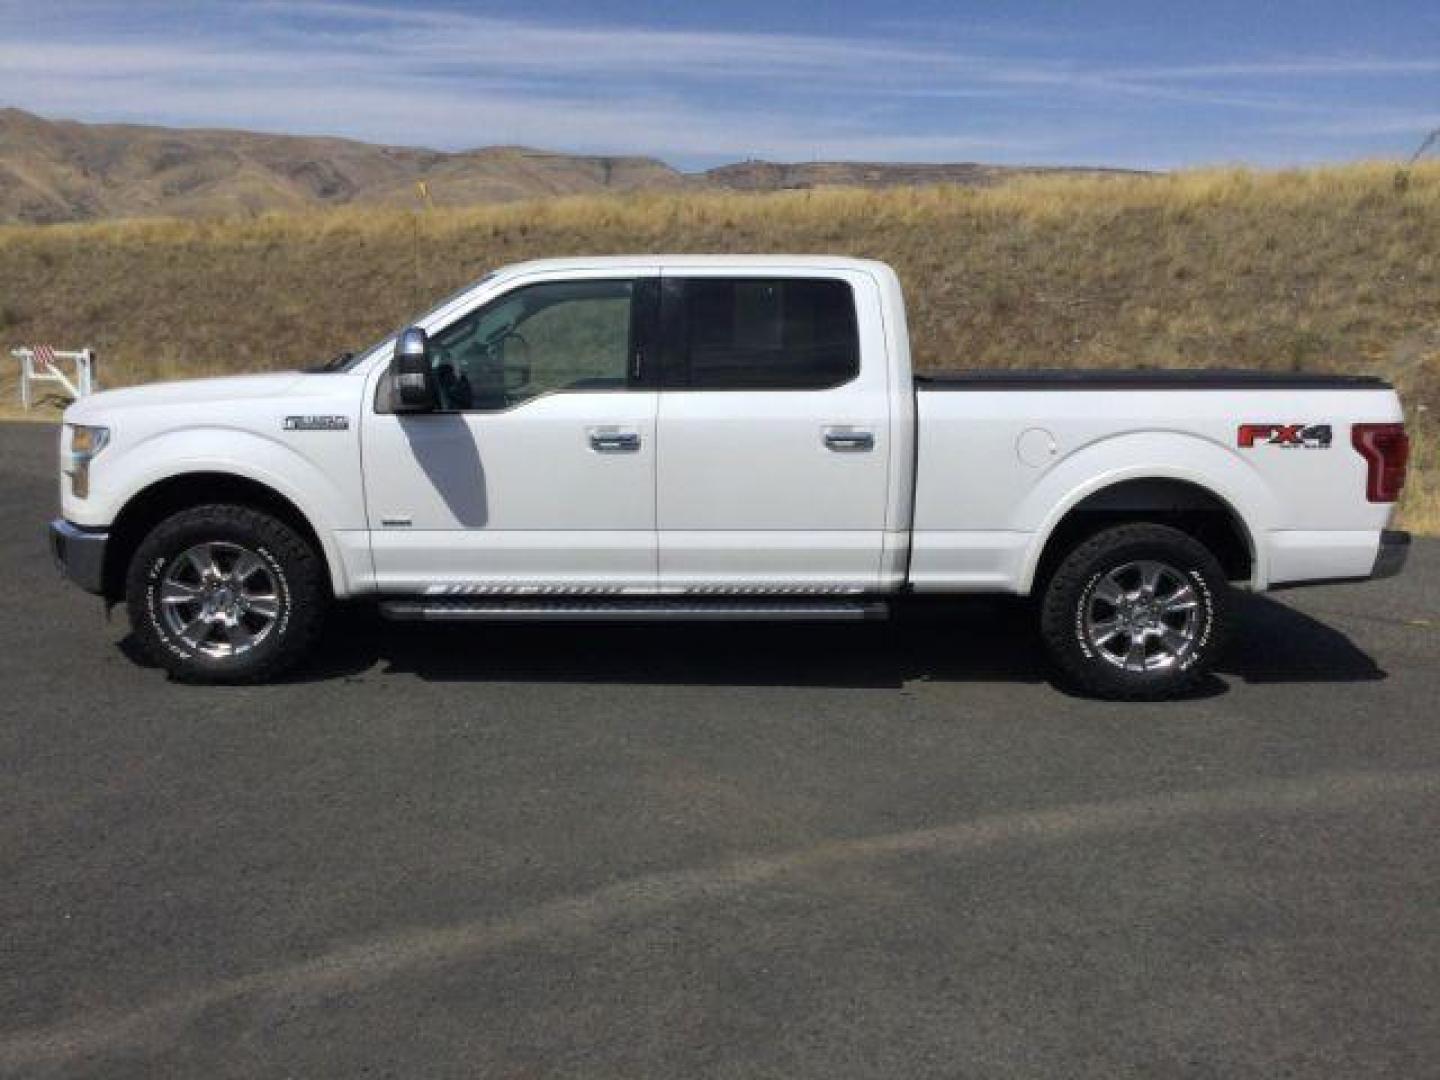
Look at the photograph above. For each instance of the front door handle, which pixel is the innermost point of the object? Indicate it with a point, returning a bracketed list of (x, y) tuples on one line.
[(849, 441), (615, 442)]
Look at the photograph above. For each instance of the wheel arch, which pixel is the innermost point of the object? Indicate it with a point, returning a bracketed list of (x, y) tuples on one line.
[(1183, 502), (162, 498)]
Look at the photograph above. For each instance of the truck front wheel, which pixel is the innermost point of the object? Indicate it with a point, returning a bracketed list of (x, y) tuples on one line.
[(225, 594), (1136, 612)]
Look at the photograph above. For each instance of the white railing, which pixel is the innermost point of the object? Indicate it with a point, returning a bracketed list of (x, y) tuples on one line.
[(42, 364)]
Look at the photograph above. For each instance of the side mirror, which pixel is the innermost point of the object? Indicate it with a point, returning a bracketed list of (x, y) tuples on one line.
[(412, 386)]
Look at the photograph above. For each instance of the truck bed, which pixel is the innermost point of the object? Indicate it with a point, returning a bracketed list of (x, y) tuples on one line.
[(997, 466)]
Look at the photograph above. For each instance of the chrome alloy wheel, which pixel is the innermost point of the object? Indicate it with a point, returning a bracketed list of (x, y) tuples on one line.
[(1142, 616), (220, 599)]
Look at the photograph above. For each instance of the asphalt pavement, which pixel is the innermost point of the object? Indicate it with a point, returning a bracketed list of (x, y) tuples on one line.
[(889, 850)]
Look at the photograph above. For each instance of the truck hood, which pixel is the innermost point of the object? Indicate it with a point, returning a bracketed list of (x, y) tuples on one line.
[(185, 392)]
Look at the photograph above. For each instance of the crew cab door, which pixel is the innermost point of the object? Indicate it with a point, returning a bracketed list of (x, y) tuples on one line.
[(538, 472), (773, 431)]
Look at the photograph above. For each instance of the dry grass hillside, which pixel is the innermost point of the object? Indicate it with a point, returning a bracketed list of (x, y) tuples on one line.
[(780, 176), (1326, 269)]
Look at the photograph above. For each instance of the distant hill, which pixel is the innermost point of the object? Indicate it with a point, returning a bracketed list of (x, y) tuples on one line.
[(63, 170)]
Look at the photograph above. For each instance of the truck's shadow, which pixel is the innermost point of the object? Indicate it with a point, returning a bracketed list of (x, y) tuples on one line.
[(981, 640)]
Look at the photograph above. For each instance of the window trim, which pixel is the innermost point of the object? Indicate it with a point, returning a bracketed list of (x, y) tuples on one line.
[(674, 366)]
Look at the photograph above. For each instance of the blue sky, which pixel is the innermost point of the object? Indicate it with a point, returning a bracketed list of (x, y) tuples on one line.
[(1107, 82)]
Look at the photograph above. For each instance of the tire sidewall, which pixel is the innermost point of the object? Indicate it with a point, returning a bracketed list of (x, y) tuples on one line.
[(159, 552), (1074, 587)]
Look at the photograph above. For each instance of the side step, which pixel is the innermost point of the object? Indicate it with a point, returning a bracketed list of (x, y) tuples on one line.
[(640, 610)]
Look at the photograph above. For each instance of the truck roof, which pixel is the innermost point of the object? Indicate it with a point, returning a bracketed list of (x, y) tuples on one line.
[(665, 262)]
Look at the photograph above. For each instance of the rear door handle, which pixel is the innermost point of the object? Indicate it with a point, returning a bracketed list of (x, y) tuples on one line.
[(615, 442), (849, 441)]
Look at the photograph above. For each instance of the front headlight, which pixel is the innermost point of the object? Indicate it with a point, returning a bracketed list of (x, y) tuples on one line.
[(85, 443)]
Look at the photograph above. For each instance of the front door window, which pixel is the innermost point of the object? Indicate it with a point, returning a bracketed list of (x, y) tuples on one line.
[(562, 336)]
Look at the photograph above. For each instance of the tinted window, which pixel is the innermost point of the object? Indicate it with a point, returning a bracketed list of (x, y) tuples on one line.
[(563, 335), (770, 334)]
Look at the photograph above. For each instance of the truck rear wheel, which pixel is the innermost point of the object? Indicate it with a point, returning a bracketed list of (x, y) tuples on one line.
[(226, 594), (1137, 612)]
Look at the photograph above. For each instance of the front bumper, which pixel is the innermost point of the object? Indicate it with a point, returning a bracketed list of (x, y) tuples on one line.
[(79, 554), (1394, 550)]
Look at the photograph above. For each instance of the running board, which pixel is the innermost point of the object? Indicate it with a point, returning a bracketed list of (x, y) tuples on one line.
[(640, 610)]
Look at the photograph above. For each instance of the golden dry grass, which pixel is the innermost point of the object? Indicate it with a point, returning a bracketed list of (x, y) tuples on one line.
[(1317, 269)]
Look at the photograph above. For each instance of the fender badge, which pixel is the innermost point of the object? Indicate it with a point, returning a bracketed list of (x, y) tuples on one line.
[(1311, 436), (317, 423)]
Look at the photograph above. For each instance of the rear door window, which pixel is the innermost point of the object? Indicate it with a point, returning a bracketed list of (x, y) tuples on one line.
[(760, 333)]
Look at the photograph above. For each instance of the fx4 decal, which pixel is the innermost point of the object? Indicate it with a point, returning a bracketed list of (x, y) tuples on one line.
[(1311, 436)]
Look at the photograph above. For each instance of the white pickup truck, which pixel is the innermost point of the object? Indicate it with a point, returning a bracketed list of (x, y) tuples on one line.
[(716, 437)]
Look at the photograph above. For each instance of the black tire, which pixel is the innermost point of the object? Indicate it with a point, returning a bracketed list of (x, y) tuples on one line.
[(291, 573), (1074, 610)]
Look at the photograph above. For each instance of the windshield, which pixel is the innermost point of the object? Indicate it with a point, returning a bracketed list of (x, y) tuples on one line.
[(348, 361)]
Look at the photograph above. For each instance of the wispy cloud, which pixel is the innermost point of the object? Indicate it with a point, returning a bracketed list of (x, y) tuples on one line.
[(264, 92), (1305, 67), (449, 39), (421, 75)]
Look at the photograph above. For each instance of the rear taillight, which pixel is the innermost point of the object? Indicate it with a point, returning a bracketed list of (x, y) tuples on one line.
[(1386, 450)]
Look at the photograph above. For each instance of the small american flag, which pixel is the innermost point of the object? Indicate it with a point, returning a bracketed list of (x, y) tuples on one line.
[(43, 354)]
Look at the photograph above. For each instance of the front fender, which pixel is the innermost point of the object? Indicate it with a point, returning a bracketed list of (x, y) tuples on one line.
[(1149, 455), (328, 498)]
